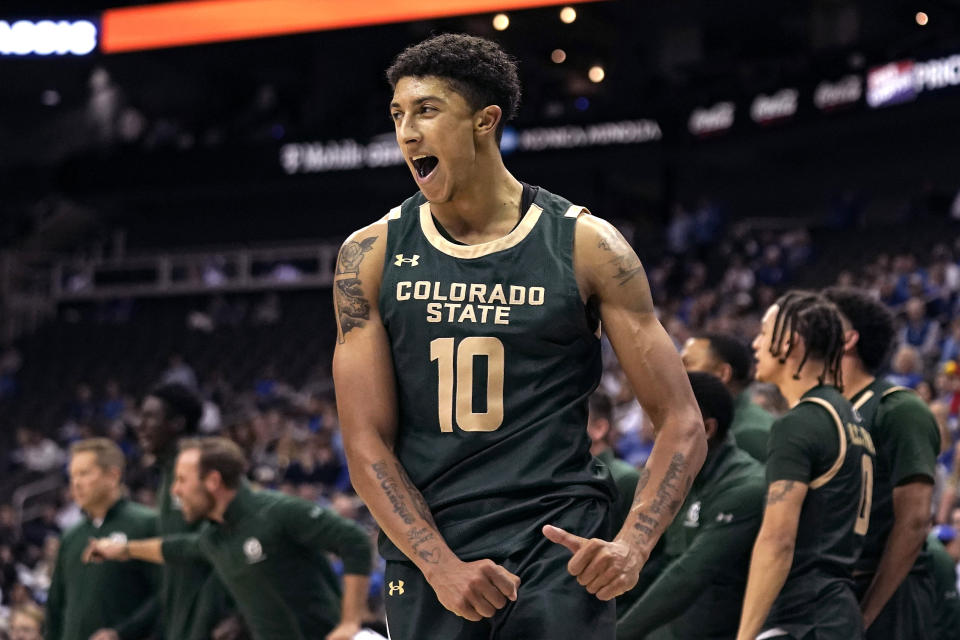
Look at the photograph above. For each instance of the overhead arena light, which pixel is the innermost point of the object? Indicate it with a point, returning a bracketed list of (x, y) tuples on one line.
[(47, 38)]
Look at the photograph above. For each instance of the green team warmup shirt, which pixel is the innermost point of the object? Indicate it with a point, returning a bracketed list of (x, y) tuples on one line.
[(699, 594), (495, 357), (270, 553), (84, 598), (947, 605), (192, 598), (907, 439), (822, 443), (625, 476), (751, 426)]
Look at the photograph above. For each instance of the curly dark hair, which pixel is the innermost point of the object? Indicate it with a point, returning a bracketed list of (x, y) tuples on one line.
[(817, 321), (477, 68), (871, 319)]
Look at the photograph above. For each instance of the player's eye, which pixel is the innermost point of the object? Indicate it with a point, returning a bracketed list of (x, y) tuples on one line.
[(395, 116)]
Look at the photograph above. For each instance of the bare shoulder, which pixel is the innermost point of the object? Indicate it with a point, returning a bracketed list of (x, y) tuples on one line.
[(603, 258)]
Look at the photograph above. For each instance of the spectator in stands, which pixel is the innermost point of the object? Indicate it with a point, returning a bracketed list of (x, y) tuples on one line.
[(36, 531), (9, 530), (36, 452), (680, 230), (179, 372), (113, 405), (951, 344), (731, 360), (10, 363), (26, 623), (83, 410), (906, 369), (919, 331), (314, 463)]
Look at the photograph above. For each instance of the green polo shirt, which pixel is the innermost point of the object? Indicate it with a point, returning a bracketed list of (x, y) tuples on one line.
[(192, 598), (699, 593), (946, 603), (625, 476), (270, 553), (84, 598), (751, 426)]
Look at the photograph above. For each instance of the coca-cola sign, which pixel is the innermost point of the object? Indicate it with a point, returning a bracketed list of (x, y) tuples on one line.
[(835, 95), (707, 121), (779, 106)]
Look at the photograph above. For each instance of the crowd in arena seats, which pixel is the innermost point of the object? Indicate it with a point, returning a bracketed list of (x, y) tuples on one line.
[(261, 365)]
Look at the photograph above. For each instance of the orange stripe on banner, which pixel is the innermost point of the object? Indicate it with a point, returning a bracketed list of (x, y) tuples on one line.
[(185, 23)]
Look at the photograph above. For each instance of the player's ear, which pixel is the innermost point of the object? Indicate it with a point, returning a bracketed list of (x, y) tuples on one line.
[(850, 340), (487, 119), (710, 424), (725, 373)]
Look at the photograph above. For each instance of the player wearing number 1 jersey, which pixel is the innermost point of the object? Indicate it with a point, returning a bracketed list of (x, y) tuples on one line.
[(819, 476), (468, 347)]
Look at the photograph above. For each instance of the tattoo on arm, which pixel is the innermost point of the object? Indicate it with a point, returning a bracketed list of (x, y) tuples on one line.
[(391, 489), (625, 261), (421, 506), (397, 493), (779, 493), (667, 500), (353, 309)]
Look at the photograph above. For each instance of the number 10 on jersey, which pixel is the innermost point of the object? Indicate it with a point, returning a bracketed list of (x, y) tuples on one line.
[(455, 363)]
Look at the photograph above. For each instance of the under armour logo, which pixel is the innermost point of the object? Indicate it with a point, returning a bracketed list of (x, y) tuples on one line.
[(396, 586), (724, 517), (400, 261)]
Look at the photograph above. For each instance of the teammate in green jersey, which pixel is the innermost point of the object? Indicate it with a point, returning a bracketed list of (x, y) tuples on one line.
[(467, 350), (947, 603), (192, 599), (104, 602), (894, 577), (729, 359), (819, 476), (269, 549), (698, 595)]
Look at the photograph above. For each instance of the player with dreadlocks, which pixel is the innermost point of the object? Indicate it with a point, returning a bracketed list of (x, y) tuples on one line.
[(819, 479)]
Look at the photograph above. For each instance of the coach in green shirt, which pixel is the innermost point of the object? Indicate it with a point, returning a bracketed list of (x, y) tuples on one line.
[(101, 601), (700, 591), (268, 549), (731, 360)]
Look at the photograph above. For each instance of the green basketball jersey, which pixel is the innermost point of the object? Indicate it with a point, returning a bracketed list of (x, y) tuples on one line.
[(495, 357), (822, 442), (908, 440)]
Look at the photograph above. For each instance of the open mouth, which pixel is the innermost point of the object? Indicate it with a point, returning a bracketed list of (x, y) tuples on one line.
[(424, 165)]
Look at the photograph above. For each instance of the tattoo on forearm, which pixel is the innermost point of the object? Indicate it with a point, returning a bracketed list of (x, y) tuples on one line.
[(669, 493), (667, 500), (392, 490), (779, 493), (420, 536), (353, 309), (419, 504)]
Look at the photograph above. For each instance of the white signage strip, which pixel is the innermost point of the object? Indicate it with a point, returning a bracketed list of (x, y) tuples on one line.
[(47, 38), (343, 155)]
